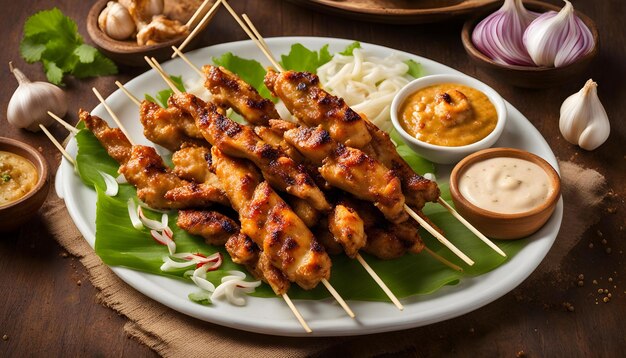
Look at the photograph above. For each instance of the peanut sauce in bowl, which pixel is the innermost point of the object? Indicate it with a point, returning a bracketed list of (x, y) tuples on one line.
[(18, 177), (449, 114), (445, 118)]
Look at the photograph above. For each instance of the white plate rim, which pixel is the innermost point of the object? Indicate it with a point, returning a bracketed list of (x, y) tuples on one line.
[(324, 317)]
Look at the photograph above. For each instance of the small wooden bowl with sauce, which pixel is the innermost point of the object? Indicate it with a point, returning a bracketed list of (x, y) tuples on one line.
[(16, 213), (505, 225)]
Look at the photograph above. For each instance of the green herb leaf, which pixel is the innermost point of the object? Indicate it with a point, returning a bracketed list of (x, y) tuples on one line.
[(201, 297), (415, 69), (301, 58), (350, 48), (31, 51), (250, 71), (163, 95), (53, 39), (53, 72), (6, 177), (101, 66), (85, 53)]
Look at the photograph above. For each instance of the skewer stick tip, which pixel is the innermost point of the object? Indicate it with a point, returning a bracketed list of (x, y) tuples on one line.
[(337, 297), (379, 281), (296, 313), (471, 227)]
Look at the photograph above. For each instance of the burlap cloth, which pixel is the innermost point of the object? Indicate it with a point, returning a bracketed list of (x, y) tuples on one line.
[(170, 333)]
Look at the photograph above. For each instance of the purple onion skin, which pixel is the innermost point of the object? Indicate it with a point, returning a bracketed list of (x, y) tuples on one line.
[(500, 36), (575, 41)]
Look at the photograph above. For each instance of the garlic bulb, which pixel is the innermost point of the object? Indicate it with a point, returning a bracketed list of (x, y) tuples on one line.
[(116, 22), (499, 35), (558, 39), (584, 121), (31, 102)]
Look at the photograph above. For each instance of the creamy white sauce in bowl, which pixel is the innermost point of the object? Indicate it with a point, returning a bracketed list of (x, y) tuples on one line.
[(505, 185)]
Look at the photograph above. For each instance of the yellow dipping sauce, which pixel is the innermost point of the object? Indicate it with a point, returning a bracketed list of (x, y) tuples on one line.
[(505, 185), (18, 177), (448, 114)]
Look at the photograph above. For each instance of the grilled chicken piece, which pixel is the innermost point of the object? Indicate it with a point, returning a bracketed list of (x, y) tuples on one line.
[(347, 228), (271, 224), (417, 189), (112, 139), (245, 252), (144, 168), (386, 240), (326, 238), (231, 91), (169, 127), (304, 210), (159, 30), (214, 227), (276, 140), (192, 163), (305, 99), (351, 170), (240, 141)]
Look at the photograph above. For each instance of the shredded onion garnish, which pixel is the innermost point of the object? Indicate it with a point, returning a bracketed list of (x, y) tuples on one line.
[(132, 213), (164, 240), (111, 184), (213, 262), (152, 224), (234, 288), (430, 176), (367, 84)]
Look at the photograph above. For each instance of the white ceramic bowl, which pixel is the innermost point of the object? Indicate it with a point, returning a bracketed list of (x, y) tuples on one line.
[(439, 153)]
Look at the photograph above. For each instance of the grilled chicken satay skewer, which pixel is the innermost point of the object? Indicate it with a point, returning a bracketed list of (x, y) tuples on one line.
[(358, 136), (273, 278), (249, 105), (203, 121)]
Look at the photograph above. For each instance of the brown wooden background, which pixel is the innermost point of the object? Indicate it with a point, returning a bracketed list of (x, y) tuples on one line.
[(45, 311)]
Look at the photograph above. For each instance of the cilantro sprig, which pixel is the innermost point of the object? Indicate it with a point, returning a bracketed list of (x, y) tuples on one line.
[(53, 39)]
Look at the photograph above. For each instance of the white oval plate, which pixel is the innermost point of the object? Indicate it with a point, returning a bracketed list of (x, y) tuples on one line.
[(326, 318)]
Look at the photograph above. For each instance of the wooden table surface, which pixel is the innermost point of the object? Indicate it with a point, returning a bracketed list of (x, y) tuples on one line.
[(43, 311)]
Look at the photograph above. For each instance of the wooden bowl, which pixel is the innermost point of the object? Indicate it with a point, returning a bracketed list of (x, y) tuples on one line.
[(505, 226), (128, 52), (528, 76), (17, 213)]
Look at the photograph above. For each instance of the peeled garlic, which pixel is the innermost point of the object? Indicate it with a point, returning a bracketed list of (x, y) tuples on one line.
[(584, 121), (558, 39), (31, 102), (116, 22)]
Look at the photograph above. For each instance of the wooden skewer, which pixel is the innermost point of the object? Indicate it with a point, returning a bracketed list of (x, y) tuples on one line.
[(56, 143), (442, 259), (438, 236), (63, 123), (192, 21), (261, 40), (205, 20), (337, 297), (253, 37), (379, 281), (470, 226), (127, 93), (184, 58), (115, 118), (297, 313), (155, 65)]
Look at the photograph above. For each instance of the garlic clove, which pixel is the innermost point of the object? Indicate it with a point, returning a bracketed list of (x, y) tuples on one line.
[(115, 20), (583, 120), (31, 102), (558, 39)]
